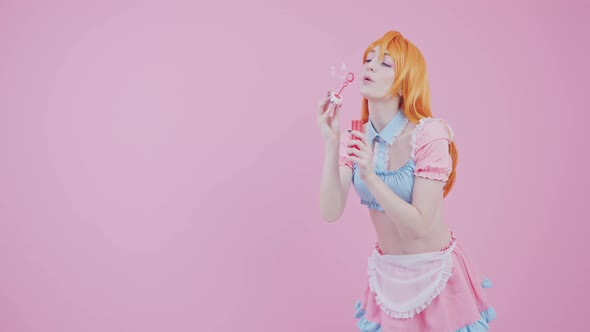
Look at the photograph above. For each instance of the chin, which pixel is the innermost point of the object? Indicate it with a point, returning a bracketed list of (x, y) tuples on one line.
[(369, 95)]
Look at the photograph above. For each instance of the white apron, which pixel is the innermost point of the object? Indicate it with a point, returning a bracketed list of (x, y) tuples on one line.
[(406, 284)]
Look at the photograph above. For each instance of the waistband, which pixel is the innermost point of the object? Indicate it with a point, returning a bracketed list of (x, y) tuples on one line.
[(453, 239)]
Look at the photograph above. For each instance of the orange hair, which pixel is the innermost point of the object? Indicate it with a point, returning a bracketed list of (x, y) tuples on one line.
[(412, 80)]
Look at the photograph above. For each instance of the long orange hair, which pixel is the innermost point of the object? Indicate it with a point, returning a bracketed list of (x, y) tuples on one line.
[(412, 80)]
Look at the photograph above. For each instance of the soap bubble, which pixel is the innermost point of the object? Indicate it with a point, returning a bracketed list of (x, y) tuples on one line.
[(339, 70)]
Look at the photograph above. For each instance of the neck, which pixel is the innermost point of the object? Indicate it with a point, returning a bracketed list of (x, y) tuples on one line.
[(380, 111)]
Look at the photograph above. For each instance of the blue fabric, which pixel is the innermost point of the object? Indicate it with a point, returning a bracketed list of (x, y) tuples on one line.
[(481, 325), (400, 181), (363, 324), (387, 135)]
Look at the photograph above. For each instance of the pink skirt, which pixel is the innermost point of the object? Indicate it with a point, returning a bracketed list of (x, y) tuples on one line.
[(460, 305)]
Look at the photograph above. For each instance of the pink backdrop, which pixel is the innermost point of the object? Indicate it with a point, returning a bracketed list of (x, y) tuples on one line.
[(160, 162)]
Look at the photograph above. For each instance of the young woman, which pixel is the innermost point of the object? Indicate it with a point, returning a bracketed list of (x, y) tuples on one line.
[(402, 165)]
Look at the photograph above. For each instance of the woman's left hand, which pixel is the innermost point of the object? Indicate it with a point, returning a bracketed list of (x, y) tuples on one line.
[(363, 156)]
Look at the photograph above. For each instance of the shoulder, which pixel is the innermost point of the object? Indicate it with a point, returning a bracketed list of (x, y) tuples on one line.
[(430, 149), (430, 129)]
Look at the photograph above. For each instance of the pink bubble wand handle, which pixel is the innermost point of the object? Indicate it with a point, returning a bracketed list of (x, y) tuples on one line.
[(349, 78)]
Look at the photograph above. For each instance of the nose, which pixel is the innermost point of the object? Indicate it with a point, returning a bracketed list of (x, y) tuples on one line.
[(371, 65)]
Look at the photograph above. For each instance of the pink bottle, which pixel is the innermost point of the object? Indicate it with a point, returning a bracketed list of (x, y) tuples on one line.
[(357, 125)]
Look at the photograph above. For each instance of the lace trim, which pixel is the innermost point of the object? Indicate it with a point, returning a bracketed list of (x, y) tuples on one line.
[(401, 128), (419, 128), (480, 325), (433, 175), (447, 247), (375, 152), (446, 273)]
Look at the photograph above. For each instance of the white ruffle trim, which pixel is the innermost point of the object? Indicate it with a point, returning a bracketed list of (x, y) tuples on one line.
[(446, 273), (375, 152), (419, 128), (433, 175), (399, 131)]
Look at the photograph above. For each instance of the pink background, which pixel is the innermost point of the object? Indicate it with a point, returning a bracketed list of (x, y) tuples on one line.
[(160, 162)]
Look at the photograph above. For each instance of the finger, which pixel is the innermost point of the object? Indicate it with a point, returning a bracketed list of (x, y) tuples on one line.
[(355, 145), (323, 105), (358, 153), (358, 134), (361, 137), (337, 111), (335, 116), (358, 143), (364, 139), (326, 114), (355, 160)]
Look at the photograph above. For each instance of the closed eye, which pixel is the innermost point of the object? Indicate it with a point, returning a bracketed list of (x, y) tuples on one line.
[(382, 63)]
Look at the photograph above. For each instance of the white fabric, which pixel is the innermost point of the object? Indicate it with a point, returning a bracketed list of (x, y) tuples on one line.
[(406, 284)]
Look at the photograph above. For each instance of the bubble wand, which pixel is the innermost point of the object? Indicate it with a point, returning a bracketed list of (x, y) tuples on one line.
[(335, 97)]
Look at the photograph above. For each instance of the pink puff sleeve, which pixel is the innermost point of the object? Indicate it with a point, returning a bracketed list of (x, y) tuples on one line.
[(430, 149), (342, 155)]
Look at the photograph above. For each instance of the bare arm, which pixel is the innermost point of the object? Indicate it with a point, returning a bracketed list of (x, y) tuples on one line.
[(335, 184), (336, 178), (416, 218)]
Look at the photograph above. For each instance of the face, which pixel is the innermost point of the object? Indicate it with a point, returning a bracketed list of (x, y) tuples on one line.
[(377, 76)]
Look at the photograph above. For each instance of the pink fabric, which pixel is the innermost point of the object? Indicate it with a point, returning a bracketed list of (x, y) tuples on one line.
[(405, 285), (431, 152), (459, 304)]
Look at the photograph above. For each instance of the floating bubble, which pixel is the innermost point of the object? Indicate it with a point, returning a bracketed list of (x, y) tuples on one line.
[(339, 70)]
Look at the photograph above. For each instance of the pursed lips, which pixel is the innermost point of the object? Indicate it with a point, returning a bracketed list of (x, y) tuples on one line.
[(367, 79)]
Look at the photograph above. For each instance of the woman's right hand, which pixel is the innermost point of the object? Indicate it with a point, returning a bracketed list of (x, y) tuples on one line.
[(329, 125)]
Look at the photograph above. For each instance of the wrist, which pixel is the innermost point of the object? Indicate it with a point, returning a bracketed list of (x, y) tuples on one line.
[(371, 179), (332, 144)]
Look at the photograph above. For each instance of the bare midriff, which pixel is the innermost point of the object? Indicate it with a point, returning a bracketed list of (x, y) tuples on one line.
[(393, 240)]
